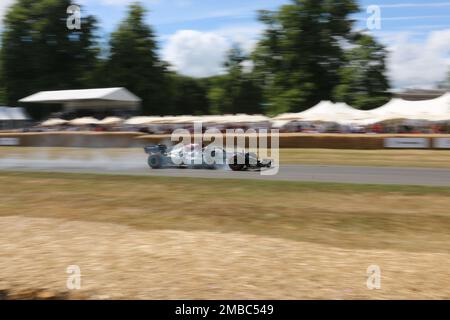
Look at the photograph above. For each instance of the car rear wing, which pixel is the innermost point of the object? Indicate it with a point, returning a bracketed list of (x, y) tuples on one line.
[(160, 148)]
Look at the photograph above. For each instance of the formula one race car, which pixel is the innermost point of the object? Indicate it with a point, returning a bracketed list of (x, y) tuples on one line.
[(194, 156)]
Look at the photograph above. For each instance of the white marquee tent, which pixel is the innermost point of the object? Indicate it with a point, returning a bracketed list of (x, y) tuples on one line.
[(327, 111), (104, 98), (433, 110), (85, 121), (141, 120), (53, 122), (437, 109), (216, 119), (240, 118), (108, 121)]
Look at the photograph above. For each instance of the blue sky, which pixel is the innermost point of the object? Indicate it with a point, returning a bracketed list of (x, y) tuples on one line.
[(195, 34), (169, 16)]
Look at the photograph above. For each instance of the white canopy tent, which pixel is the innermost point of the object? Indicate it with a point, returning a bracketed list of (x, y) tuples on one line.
[(215, 119), (432, 110), (289, 116), (326, 111), (176, 120), (109, 121), (234, 118), (103, 99), (245, 118), (212, 119), (85, 121), (279, 123), (142, 120), (53, 122), (186, 119), (437, 109)]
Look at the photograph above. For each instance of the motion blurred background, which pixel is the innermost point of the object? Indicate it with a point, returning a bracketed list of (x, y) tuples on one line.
[(358, 89), (192, 58)]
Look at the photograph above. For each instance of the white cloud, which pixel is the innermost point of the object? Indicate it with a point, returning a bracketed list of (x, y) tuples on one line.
[(419, 63), (196, 54), (246, 36), (4, 4), (202, 54), (411, 62)]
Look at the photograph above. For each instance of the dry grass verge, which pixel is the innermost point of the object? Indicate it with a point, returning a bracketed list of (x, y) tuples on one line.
[(361, 216), (119, 262), (389, 158), (159, 238)]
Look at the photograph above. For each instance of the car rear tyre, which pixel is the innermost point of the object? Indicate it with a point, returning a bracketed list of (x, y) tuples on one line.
[(155, 161)]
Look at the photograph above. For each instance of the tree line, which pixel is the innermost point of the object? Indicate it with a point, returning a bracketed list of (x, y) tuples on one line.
[(308, 52)]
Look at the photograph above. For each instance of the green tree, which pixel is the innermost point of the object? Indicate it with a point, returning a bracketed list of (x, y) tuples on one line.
[(236, 91), (39, 52), (2, 86), (300, 54), (215, 96), (188, 96), (134, 63), (363, 82), (444, 84)]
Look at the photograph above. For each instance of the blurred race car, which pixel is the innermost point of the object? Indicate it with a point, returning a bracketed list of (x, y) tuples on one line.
[(194, 156)]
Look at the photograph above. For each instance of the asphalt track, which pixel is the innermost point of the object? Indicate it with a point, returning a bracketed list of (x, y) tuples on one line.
[(314, 173)]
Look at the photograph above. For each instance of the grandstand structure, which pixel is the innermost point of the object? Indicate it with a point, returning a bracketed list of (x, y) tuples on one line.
[(101, 101)]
